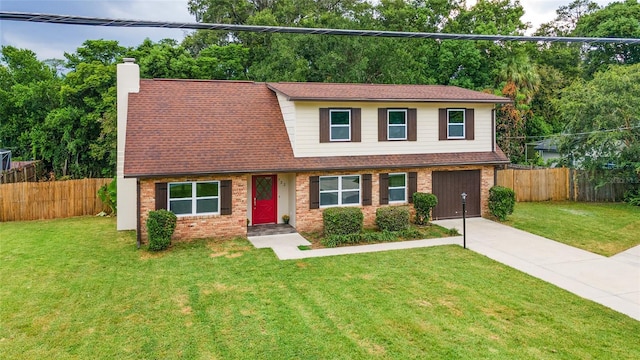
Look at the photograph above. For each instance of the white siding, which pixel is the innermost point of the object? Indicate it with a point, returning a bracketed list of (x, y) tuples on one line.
[(128, 81), (289, 115), (307, 138)]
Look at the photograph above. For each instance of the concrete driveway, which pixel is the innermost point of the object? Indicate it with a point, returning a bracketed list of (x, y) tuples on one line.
[(613, 282)]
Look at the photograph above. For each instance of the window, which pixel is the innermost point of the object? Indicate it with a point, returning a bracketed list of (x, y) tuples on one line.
[(339, 190), (397, 188), (340, 124), (194, 198), (397, 124), (455, 123)]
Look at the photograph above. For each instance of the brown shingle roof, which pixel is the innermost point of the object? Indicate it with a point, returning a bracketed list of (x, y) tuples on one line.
[(187, 127), (382, 92), (190, 127)]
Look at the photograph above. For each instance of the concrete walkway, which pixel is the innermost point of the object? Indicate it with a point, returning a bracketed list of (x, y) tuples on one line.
[(286, 246), (613, 282)]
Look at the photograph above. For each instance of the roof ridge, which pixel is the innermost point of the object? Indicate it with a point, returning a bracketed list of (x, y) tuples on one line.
[(206, 80)]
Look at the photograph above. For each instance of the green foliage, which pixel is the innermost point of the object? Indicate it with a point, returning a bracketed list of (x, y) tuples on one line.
[(160, 227), (423, 203), (342, 220), (392, 218), (632, 197), (618, 19), (108, 194), (361, 237), (69, 121), (603, 119), (501, 201)]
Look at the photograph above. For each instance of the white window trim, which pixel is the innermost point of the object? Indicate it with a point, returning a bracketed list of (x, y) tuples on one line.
[(340, 190), (464, 124), (395, 125), (331, 126), (193, 197), (405, 187)]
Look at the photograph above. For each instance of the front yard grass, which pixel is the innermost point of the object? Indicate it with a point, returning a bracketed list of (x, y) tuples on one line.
[(601, 228), (77, 289)]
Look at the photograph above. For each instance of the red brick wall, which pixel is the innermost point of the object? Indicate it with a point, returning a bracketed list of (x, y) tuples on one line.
[(311, 219), (194, 227), (224, 226)]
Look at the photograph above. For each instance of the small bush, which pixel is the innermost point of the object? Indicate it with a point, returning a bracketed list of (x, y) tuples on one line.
[(160, 227), (423, 203), (108, 195), (362, 237), (342, 221), (632, 197), (410, 233), (392, 218), (501, 201)]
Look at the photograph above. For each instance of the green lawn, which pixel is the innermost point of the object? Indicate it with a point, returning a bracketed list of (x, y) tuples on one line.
[(602, 228), (77, 289)]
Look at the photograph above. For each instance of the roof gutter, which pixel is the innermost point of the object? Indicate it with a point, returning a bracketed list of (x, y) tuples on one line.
[(459, 101), (314, 169)]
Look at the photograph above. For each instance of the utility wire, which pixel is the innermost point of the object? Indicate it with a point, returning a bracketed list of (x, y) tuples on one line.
[(95, 21), (525, 137)]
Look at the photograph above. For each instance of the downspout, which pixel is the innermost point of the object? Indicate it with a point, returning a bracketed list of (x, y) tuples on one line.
[(493, 130), (138, 235)]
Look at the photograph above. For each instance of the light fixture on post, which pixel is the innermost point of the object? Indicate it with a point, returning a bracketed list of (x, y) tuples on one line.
[(464, 219)]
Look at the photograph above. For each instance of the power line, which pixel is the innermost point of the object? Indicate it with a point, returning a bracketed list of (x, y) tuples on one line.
[(95, 21), (620, 129)]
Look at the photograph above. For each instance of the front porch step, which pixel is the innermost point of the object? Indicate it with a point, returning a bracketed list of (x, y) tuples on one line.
[(270, 229)]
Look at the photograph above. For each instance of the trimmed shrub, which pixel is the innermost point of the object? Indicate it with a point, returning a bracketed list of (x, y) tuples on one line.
[(392, 218), (423, 203), (501, 201), (342, 221), (160, 227)]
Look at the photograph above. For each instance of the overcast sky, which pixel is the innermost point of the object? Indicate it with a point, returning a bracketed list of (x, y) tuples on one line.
[(51, 40)]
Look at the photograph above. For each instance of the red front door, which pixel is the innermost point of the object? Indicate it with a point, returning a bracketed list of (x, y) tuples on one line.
[(265, 206)]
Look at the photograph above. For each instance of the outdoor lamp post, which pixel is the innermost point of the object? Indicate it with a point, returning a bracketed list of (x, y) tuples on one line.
[(464, 219)]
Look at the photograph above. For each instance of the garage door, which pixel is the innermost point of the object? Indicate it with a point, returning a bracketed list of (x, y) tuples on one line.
[(448, 185)]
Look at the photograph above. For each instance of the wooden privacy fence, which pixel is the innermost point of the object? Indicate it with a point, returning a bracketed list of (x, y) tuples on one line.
[(50, 200), (536, 184), (586, 188), (561, 184), (30, 171)]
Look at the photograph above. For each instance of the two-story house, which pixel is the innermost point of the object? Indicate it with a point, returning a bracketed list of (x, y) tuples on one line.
[(223, 155)]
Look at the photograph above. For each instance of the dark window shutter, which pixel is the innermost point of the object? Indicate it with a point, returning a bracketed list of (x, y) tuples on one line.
[(469, 124), (161, 196), (226, 197), (356, 127), (412, 124), (412, 186), (442, 124), (366, 189), (384, 188), (324, 125), (382, 124), (314, 192)]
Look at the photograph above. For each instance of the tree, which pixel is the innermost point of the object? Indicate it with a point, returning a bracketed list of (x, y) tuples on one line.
[(603, 122), (28, 92), (520, 81), (618, 19)]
